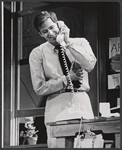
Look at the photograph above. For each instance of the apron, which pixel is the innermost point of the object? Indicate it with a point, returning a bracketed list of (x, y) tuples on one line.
[(59, 102)]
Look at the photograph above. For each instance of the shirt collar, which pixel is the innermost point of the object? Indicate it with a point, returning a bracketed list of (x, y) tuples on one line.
[(50, 46)]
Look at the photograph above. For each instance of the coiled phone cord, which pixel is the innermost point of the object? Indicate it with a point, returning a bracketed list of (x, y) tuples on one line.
[(68, 74)]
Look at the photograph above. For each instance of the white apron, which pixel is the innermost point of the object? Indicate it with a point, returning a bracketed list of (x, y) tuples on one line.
[(57, 103)]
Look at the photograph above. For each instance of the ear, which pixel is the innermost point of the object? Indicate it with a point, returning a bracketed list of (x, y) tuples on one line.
[(40, 34)]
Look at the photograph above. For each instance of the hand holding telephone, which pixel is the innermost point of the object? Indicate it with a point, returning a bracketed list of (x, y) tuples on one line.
[(64, 32), (60, 36)]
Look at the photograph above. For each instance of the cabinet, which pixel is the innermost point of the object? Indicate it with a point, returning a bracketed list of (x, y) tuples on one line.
[(113, 32), (108, 28), (114, 72)]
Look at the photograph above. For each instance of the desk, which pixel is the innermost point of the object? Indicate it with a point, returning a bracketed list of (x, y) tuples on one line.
[(65, 131)]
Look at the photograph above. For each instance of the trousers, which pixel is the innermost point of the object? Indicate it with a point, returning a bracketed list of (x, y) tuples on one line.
[(56, 103)]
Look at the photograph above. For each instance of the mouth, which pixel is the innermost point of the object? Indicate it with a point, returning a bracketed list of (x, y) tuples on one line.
[(52, 38)]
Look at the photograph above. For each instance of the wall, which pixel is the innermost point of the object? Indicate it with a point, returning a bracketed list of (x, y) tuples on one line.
[(7, 75)]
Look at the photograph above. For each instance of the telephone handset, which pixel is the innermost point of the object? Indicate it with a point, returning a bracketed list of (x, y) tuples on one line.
[(60, 36)]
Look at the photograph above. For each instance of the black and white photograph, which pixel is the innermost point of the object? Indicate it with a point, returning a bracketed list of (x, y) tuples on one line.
[(60, 74)]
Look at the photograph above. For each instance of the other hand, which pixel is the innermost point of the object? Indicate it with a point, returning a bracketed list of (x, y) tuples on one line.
[(78, 75)]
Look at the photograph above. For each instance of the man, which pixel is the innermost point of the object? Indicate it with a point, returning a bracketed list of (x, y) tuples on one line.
[(47, 74)]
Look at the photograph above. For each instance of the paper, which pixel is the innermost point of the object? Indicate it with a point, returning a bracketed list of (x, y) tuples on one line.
[(113, 81), (105, 109)]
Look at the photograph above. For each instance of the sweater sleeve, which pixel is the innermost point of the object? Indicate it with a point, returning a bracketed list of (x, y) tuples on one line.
[(83, 53)]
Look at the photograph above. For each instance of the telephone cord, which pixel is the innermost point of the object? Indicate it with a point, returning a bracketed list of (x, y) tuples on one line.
[(68, 74)]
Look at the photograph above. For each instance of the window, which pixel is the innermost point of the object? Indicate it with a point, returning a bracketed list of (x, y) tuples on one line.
[(12, 113)]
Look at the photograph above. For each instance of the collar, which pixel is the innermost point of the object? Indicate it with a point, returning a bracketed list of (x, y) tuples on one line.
[(52, 47)]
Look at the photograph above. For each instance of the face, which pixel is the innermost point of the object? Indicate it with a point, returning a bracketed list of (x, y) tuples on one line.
[(49, 30)]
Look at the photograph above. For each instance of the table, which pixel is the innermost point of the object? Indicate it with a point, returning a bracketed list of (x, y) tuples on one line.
[(65, 131)]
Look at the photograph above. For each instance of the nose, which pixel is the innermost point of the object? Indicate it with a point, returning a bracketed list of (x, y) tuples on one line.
[(50, 32)]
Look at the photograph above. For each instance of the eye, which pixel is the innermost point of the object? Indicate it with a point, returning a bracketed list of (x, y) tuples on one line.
[(51, 27), (44, 31)]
